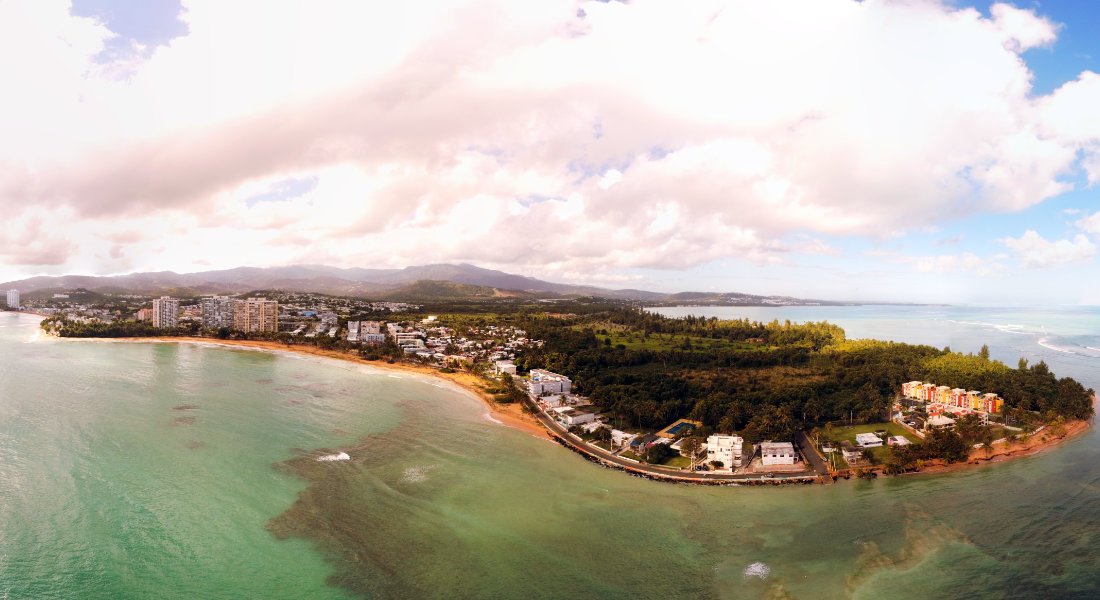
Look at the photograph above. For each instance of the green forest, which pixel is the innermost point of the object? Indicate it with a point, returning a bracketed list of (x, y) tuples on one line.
[(767, 380)]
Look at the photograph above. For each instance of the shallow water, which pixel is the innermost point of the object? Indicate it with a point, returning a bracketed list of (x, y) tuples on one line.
[(105, 494)]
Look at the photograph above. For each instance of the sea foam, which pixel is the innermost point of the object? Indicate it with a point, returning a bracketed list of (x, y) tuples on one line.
[(334, 457), (757, 569)]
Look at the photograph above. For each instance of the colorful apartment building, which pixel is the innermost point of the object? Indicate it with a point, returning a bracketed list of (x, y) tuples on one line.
[(968, 401), (992, 403), (928, 392)]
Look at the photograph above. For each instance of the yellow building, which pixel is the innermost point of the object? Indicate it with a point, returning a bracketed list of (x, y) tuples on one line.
[(974, 400)]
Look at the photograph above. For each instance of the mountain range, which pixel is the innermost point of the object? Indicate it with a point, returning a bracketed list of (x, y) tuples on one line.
[(423, 282)]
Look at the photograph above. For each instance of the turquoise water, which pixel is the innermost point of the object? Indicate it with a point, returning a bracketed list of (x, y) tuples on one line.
[(181, 471)]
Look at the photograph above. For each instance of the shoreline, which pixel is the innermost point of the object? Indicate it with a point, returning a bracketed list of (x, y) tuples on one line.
[(514, 416), (1036, 443), (508, 415)]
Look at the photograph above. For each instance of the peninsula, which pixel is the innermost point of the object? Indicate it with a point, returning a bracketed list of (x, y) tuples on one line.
[(688, 399)]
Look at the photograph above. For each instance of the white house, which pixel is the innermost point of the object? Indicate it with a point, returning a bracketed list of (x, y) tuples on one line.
[(504, 366), (726, 449), (621, 438), (574, 416), (868, 440), (553, 400), (777, 453)]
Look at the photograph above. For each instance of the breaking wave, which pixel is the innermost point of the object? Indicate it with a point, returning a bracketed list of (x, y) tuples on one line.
[(334, 457), (1046, 344)]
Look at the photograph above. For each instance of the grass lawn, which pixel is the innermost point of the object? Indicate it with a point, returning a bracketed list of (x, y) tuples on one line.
[(849, 432), (677, 462)]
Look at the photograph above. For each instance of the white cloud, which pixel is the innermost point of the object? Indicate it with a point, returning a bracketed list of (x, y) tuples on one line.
[(1090, 224), (963, 262), (610, 178), (950, 262), (554, 134), (1036, 251), (1022, 29)]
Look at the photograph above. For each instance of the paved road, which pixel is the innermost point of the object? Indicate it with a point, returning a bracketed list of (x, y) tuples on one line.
[(806, 447), (560, 431)]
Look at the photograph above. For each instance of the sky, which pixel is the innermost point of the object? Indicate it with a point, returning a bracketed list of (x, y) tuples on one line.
[(896, 150)]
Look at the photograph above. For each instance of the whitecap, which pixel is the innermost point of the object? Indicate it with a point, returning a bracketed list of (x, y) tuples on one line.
[(490, 418), (1044, 343), (757, 569), (334, 457)]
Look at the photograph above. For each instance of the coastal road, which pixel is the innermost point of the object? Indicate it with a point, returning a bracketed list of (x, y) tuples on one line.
[(806, 447), (558, 430)]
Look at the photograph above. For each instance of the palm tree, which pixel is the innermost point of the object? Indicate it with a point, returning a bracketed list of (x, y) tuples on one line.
[(691, 446)]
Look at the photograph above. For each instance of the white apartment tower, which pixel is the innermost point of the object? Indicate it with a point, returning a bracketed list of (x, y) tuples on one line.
[(217, 312), (166, 313), (13, 299)]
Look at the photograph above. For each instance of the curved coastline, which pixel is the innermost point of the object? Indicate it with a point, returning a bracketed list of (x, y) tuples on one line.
[(509, 415), (514, 416)]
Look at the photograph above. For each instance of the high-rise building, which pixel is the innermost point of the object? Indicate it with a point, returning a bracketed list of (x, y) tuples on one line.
[(217, 312), (13, 299), (256, 315), (166, 313)]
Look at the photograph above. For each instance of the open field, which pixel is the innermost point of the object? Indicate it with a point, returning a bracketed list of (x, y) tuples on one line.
[(849, 432)]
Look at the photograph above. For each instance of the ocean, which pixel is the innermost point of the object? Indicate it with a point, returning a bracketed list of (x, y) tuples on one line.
[(163, 470)]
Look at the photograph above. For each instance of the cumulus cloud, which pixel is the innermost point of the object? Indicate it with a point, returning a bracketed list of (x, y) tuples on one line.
[(1034, 250), (571, 136)]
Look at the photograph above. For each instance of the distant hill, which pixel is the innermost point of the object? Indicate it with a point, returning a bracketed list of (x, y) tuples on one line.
[(426, 282), (428, 290)]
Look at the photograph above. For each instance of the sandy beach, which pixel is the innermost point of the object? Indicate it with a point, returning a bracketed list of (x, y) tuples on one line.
[(511, 415)]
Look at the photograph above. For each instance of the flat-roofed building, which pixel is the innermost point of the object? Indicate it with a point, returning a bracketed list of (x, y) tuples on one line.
[(217, 312), (726, 449), (578, 416), (777, 453), (13, 299), (545, 381), (256, 315), (166, 313), (868, 440)]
